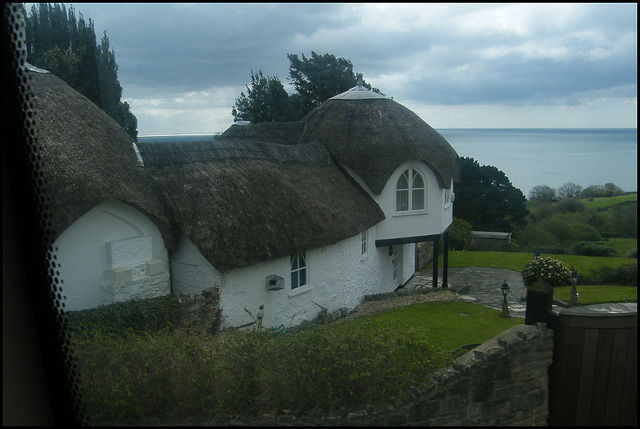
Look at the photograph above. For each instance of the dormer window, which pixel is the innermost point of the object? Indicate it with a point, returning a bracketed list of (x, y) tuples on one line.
[(411, 191)]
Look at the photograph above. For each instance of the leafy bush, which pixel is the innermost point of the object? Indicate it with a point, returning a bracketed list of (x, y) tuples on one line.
[(143, 315), (625, 275), (551, 270), (130, 379), (633, 253), (588, 248), (569, 205), (534, 234), (459, 234), (568, 229)]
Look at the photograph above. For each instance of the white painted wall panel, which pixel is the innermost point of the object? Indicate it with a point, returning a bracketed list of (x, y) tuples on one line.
[(400, 225), (338, 276), (85, 256)]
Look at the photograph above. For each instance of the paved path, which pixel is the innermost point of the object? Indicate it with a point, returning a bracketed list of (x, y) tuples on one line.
[(481, 285)]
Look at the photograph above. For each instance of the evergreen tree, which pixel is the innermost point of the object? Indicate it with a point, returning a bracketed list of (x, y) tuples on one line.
[(66, 46), (314, 79), (320, 77), (487, 200), (266, 101)]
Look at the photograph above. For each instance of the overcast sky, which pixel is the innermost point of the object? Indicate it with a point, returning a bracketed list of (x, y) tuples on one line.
[(182, 66)]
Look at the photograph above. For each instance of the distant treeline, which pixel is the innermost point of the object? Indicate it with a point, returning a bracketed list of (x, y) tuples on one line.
[(571, 190)]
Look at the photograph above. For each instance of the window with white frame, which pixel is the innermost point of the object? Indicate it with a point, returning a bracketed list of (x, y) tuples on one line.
[(364, 242), (411, 192), (298, 270)]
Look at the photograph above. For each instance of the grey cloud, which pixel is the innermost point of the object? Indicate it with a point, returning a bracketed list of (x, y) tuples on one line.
[(173, 48)]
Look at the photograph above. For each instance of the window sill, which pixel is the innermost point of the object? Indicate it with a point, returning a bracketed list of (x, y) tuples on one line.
[(411, 213), (299, 291)]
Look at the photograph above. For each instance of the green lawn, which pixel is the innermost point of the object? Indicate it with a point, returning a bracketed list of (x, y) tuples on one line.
[(622, 245), (589, 294), (598, 294), (516, 261), (604, 202), (446, 325)]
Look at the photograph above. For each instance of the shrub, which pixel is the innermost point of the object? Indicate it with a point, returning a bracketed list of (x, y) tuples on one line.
[(569, 205), (568, 229), (143, 315), (459, 234), (132, 378), (588, 248), (625, 275), (534, 235), (551, 270), (633, 253)]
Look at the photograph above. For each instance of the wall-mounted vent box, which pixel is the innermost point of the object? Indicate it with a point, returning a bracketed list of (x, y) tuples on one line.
[(275, 282)]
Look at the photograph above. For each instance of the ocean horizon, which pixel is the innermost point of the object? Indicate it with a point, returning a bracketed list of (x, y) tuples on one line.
[(533, 156)]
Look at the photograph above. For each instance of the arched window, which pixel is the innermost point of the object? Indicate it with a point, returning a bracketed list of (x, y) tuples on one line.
[(411, 191), (298, 270)]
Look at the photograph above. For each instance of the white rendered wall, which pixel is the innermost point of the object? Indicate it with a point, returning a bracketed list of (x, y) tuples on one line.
[(447, 215), (111, 233), (191, 273), (338, 276), (408, 224)]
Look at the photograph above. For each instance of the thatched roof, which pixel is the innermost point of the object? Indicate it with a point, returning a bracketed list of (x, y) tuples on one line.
[(374, 136), (242, 202), (270, 132), (89, 157)]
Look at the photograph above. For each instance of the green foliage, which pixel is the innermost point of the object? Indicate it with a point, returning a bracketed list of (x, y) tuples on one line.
[(633, 253), (606, 190), (266, 101), (626, 275), (144, 315), (486, 199), (553, 271), (320, 77), (588, 248), (535, 236), (66, 46), (459, 234), (569, 205), (315, 79), (164, 376)]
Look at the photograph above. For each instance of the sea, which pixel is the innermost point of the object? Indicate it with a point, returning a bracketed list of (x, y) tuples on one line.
[(536, 156)]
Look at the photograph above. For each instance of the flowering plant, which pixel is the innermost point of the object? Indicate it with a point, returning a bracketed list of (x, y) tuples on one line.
[(551, 270)]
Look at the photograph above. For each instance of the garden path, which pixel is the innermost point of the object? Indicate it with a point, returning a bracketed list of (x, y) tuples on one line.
[(478, 284)]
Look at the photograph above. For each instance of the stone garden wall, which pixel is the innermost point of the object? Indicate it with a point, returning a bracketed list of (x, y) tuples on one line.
[(200, 311), (501, 382)]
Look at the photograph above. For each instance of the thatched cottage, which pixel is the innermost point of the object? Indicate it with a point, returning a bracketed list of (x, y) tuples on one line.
[(288, 216)]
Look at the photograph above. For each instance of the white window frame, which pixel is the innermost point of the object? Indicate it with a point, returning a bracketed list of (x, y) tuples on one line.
[(299, 288), (410, 174)]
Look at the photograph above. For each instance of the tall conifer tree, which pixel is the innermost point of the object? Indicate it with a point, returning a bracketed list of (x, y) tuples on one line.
[(66, 46)]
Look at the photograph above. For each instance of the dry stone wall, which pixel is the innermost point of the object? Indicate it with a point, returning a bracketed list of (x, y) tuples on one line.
[(501, 382)]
